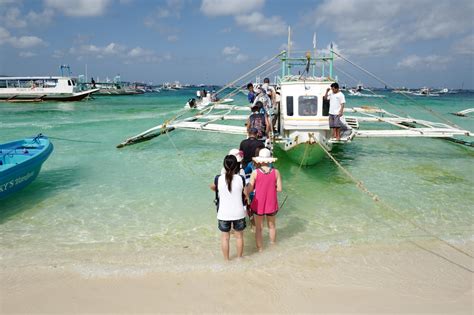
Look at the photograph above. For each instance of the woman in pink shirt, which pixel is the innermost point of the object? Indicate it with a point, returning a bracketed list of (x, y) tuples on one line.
[(266, 181)]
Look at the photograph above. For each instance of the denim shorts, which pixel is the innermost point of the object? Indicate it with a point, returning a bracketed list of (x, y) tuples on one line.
[(225, 226), (335, 121)]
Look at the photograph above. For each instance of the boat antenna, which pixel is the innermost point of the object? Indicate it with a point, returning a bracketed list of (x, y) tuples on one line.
[(314, 52), (289, 41)]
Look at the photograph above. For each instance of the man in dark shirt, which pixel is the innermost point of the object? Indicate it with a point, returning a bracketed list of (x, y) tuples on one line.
[(249, 147)]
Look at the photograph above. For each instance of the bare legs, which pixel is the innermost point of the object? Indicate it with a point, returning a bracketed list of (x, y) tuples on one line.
[(272, 229), (225, 245), (271, 223), (336, 133), (239, 235), (258, 232)]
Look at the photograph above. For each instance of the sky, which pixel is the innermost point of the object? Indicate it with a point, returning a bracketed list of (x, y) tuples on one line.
[(406, 43)]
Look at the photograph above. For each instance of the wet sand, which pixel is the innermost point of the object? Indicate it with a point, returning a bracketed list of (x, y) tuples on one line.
[(358, 279)]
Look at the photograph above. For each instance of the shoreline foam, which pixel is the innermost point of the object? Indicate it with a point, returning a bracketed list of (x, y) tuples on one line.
[(357, 279)]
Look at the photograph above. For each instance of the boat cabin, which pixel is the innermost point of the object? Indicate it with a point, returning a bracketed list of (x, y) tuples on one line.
[(302, 106)]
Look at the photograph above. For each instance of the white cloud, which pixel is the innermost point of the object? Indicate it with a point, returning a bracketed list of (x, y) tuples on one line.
[(230, 50), (112, 49), (433, 62), (240, 58), (161, 19), (43, 18), (58, 54), (232, 54), (465, 46), (120, 52), (230, 7), (139, 52), (327, 50), (265, 26), (99, 51), (79, 7), (26, 41), (4, 35), (172, 38), (27, 54), (377, 27), (13, 18)]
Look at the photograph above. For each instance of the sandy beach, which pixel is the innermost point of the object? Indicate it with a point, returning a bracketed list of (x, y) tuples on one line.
[(358, 279)]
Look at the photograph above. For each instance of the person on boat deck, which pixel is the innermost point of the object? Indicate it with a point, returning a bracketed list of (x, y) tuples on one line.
[(251, 95), (336, 109), (231, 212), (266, 181), (270, 91), (239, 156), (93, 82), (249, 146), (259, 121)]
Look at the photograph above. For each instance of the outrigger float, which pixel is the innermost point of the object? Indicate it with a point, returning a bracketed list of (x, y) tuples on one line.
[(302, 126), (463, 113)]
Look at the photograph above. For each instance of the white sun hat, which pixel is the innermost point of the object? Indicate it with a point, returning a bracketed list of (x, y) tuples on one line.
[(264, 156), (237, 153)]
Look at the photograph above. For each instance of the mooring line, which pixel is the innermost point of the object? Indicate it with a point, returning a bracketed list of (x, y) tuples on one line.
[(375, 198)]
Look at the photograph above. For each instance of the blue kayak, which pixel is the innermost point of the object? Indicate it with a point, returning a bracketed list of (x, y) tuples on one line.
[(21, 161)]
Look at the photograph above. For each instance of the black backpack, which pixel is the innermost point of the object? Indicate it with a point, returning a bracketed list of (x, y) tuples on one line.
[(257, 121), (216, 182)]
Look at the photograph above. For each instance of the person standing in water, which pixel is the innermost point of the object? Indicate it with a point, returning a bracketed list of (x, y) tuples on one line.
[(266, 181), (230, 205)]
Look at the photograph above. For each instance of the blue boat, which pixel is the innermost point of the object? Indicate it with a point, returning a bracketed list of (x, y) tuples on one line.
[(21, 161)]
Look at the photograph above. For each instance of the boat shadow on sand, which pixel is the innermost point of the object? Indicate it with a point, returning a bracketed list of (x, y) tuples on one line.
[(48, 184)]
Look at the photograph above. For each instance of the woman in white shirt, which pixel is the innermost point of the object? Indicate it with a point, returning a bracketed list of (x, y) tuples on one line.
[(230, 207)]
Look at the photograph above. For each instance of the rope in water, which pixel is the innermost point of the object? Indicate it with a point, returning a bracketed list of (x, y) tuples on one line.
[(180, 155), (73, 140), (375, 198)]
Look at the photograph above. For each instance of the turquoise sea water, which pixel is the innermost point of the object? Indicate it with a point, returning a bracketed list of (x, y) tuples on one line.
[(148, 206)]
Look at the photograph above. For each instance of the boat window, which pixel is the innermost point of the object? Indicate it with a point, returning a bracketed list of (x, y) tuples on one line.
[(308, 105), (13, 84), (3, 84), (51, 83), (69, 82), (289, 105), (39, 83), (26, 83)]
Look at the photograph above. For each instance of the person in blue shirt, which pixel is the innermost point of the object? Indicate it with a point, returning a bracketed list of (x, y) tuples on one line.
[(252, 94)]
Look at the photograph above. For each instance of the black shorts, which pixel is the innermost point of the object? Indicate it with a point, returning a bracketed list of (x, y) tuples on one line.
[(238, 225)]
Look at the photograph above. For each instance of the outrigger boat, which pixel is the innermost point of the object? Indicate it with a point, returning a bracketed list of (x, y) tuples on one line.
[(302, 126)]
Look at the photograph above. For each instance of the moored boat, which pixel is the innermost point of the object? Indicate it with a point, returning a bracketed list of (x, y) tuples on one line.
[(21, 161), (36, 89)]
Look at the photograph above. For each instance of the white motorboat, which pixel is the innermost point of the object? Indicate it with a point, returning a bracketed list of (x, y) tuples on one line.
[(37, 89)]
